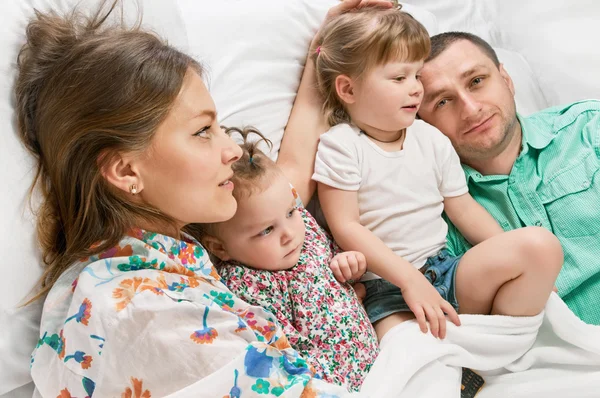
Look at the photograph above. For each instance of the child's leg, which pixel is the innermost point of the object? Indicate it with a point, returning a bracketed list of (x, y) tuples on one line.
[(383, 326), (509, 274)]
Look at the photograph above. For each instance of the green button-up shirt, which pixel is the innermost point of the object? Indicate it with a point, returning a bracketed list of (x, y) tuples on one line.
[(554, 183)]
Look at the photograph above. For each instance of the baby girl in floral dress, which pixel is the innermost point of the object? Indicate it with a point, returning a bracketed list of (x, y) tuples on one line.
[(274, 254)]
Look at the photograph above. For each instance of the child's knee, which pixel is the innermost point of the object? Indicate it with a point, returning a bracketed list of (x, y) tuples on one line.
[(542, 248)]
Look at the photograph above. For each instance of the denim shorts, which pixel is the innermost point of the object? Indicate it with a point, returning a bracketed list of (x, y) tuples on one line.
[(384, 298)]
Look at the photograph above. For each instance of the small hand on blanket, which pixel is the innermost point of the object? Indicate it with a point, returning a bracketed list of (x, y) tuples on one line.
[(427, 305)]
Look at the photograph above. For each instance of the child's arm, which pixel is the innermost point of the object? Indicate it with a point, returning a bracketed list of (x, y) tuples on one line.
[(341, 210), (471, 219)]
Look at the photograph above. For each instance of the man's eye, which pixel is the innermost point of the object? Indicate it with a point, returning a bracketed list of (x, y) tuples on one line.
[(476, 81), (441, 103)]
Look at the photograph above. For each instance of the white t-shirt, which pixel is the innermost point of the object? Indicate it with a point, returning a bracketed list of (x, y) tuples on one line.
[(401, 193)]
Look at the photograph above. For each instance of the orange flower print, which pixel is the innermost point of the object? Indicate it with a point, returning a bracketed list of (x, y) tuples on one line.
[(64, 394), (308, 393), (282, 343), (83, 315), (79, 356), (137, 390), (126, 291), (205, 335), (187, 253), (63, 345), (128, 288), (117, 251), (268, 331)]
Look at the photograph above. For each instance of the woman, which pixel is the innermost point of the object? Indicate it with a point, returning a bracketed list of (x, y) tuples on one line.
[(129, 151)]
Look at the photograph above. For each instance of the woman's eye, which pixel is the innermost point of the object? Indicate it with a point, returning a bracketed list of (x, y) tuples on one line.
[(266, 231), (203, 132)]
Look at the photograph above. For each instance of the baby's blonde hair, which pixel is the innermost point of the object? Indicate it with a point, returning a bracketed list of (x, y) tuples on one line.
[(355, 42)]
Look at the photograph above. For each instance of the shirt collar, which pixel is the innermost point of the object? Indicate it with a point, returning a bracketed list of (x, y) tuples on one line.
[(535, 134)]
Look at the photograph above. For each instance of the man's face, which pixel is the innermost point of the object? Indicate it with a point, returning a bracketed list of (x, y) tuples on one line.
[(470, 100)]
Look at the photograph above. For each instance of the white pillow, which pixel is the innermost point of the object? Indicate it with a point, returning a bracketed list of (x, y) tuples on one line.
[(559, 40), (256, 54), (528, 95), (556, 38)]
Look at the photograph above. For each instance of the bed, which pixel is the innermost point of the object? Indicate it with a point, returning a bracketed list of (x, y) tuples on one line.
[(254, 59)]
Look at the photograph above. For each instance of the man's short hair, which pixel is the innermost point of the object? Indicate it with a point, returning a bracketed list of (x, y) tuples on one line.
[(442, 41)]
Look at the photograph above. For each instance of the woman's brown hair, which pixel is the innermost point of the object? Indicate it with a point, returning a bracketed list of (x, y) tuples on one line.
[(355, 42), (87, 90)]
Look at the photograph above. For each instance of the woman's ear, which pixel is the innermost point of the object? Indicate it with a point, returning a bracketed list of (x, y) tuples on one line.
[(216, 247), (120, 171), (344, 87)]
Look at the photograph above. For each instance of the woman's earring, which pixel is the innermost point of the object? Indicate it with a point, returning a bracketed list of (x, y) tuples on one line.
[(133, 189)]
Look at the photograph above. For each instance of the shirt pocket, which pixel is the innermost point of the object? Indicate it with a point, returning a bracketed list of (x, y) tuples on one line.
[(572, 199)]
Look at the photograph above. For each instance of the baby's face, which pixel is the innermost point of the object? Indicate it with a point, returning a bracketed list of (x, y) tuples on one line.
[(267, 231)]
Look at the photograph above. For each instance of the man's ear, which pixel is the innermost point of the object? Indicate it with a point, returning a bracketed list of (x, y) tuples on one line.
[(216, 247), (344, 87), (119, 170), (507, 79)]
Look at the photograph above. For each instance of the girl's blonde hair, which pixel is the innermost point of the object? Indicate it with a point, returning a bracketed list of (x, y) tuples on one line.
[(355, 42), (85, 91)]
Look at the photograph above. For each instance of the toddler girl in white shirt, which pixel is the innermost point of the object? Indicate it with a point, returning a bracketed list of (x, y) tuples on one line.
[(385, 179)]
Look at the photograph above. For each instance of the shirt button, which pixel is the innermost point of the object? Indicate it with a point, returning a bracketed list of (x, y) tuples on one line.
[(538, 223)]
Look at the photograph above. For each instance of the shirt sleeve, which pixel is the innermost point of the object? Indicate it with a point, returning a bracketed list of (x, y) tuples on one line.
[(452, 181), (336, 164)]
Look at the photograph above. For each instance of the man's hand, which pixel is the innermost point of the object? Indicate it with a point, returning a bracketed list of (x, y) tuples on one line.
[(348, 266)]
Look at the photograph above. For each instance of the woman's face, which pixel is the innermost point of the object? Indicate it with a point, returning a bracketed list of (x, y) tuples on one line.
[(186, 171)]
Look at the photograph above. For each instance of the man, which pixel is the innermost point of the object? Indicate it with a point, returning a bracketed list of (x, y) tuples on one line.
[(541, 170)]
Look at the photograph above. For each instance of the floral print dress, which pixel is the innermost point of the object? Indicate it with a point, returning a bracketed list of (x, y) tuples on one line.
[(322, 319), (151, 317)]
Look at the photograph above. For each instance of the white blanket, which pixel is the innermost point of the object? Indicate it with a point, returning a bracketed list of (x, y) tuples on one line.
[(553, 354)]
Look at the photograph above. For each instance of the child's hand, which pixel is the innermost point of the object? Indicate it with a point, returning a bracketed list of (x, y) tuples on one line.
[(427, 305), (348, 266)]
